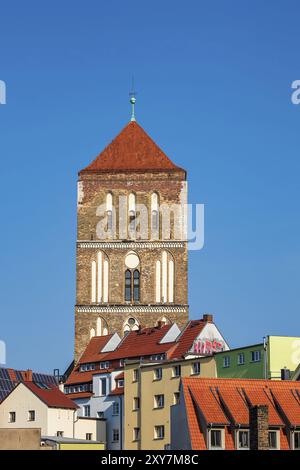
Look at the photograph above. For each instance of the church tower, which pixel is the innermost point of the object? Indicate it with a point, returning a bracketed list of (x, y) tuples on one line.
[(131, 244)]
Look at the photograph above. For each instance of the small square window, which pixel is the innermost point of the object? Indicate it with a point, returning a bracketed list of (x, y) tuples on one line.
[(273, 440), (12, 416), (159, 401), (243, 440), (255, 356), (88, 436), (177, 371), (159, 432), (158, 373), (136, 434), (136, 403), (31, 415), (115, 435), (216, 439), (60, 434), (226, 361), (241, 359), (196, 368)]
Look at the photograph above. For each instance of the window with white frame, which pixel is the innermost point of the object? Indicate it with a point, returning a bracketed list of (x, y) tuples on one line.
[(103, 386), (59, 433), (226, 361), (12, 417), (273, 440), (158, 373), (86, 411), (176, 371), (88, 436), (136, 434), (243, 439), (116, 408), (159, 401), (120, 383), (100, 414), (104, 365), (196, 368), (255, 356), (115, 435), (31, 415), (241, 359), (297, 440), (216, 439), (159, 432)]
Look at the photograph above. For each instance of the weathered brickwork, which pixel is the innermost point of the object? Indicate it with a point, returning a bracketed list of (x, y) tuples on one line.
[(92, 192)]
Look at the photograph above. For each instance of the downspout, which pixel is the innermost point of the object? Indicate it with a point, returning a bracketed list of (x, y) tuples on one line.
[(121, 422), (265, 357)]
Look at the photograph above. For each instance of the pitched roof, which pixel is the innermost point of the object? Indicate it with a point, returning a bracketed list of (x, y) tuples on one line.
[(51, 396), (185, 340), (227, 401), (92, 353), (132, 150)]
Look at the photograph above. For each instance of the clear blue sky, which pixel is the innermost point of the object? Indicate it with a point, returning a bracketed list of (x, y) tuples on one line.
[(214, 84)]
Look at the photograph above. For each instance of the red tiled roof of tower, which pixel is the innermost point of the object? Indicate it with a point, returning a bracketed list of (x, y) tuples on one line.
[(132, 150), (185, 341), (51, 396)]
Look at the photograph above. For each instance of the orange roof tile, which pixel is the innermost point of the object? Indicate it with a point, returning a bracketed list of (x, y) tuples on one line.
[(132, 150)]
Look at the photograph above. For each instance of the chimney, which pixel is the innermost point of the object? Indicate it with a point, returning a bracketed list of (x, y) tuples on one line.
[(285, 374), (28, 375), (259, 427), (207, 317)]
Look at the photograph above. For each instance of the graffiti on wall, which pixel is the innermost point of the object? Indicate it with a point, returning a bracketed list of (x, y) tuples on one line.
[(207, 346)]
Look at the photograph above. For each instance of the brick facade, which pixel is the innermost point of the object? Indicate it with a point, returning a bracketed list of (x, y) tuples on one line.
[(171, 187)]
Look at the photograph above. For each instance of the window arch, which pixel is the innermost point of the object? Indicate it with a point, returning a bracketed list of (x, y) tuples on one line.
[(100, 278), (132, 212), (154, 215), (164, 280), (102, 327), (109, 208), (131, 324)]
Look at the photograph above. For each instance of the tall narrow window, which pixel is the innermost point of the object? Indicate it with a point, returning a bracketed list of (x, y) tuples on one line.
[(109, 211), (164, 278), (132, 285), (132, 213), (136, 285), (154, 215), (128, 278), (100, 279)]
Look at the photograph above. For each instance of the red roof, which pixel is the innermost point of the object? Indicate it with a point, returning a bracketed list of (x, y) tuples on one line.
[(51, 396), (92, 353), (132, 150), (227, 401), (117, 391), (187, 337)]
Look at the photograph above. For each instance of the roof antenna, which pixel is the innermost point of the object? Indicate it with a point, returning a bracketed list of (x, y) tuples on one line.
[(132, 95)]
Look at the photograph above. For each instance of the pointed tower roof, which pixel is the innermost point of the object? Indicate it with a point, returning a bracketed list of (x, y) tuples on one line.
[(131, 151)]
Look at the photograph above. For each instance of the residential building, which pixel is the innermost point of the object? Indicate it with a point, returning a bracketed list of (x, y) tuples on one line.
[(43, 406), (151, 388), (9, 378), (217, 414), (263, 360), (97, 381), (130, 272)]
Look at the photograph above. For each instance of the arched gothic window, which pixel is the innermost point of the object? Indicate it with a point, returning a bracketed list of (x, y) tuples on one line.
[(131, 324), (132, 285), (164, 279), (100, 278)]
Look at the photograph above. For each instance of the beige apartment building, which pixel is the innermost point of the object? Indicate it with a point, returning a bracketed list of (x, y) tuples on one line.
[(150, 390)]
